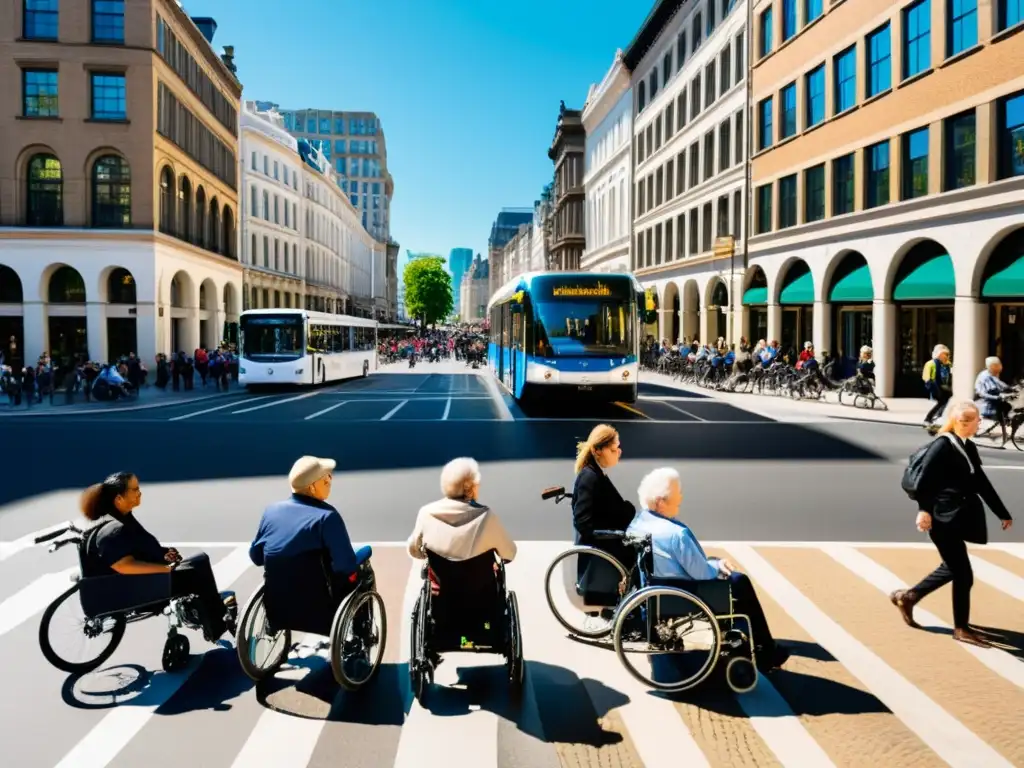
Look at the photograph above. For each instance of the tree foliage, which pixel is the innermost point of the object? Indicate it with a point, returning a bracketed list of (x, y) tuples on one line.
[(428, 290)]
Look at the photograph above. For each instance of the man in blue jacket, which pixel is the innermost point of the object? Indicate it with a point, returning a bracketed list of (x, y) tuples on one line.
[(297, 535)]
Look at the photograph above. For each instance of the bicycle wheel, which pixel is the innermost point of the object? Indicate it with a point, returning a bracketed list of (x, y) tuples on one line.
[(1017, 436), (260, 651), (582, 587), (100, 636), (358, 636)]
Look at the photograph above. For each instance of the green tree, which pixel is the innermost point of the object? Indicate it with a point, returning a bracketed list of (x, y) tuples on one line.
[(428, 290)]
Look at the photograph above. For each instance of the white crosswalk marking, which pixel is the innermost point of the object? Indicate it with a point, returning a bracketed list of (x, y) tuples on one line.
[(579, 704)]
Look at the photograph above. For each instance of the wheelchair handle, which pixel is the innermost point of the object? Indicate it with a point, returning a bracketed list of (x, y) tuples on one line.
[(604, 534), (70, 527), (58, 544)]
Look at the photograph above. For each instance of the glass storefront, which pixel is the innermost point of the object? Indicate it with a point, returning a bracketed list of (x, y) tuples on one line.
[(919, 328), (852, 329), (797, 300), (1006, 334)]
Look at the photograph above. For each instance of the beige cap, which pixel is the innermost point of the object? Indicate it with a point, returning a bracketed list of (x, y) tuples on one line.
[(308, 470)]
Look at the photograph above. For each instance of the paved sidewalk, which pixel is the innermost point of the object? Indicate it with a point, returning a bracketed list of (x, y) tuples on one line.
[(149, 397), (905, 411)]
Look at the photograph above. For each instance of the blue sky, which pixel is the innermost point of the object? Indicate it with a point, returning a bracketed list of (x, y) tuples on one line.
[(467, 90)]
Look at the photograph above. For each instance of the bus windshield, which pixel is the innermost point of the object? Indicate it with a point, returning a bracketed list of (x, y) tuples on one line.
[(267, 338), (582, 320)]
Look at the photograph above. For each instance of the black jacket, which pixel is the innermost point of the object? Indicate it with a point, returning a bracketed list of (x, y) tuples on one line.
[(952, 494), (598, 505)]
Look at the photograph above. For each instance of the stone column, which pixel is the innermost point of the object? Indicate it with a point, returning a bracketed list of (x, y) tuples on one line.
[(96, 331), (822, 334), (884, 345), (774, 322), (969, 344), (37, 331)]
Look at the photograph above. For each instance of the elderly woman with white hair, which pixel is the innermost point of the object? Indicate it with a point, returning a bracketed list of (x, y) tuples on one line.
[(678, 555), (458, 527), (988, 389), (938, 383)]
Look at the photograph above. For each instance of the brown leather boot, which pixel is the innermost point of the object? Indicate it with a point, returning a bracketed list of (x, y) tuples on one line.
[(970, 637), (905, 600)]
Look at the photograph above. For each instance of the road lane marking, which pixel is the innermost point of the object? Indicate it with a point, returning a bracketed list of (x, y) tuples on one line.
[(887, 582), (491, 385), (946, 736), (219, 408), (1000, 578), (447, 409), (393, 411), (327, 410), (276, 402), (685, 413), (33, 599), (780, 728), (631, 409), (11, 548), (119, 726)]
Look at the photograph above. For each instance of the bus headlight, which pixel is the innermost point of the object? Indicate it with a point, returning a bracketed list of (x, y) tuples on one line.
[(547, 375)]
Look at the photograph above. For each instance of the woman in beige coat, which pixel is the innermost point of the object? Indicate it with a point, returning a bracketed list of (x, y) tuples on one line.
[(458, 527)]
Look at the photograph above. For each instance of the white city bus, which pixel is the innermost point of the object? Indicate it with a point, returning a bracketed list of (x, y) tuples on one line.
[(299, 347)]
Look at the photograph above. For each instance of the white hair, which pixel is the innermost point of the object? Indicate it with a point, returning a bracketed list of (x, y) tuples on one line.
[(990, 361), (939, 349), (656, 486), (457, 477)]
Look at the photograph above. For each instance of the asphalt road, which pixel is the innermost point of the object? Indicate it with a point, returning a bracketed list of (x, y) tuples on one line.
[(783, 500)]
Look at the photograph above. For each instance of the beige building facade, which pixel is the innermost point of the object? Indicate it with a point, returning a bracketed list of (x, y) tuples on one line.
[(118, 181), (887, 193)]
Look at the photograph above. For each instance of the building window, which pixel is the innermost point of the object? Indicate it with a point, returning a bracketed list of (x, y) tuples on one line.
[(666, 65), (1010, 122), (788, 19), (254, 208), (695, 97), (765, 35), (765, 128), (879, 53), (40, 19), (960, 151), (812, 10), (709, 155), (724, 145), (108, 21), (709, 84), (108, 97), (764, 209), (696, 32), (39, 93), (161, 36), (917, 38), (787, 201), (739, 54), (842, 185), (111, 193), (876, 187), (788, 102), (915, 164), (1011, 13), (45, 198), (845, 78), (815, 89), (739, 137), (961, 25), (814, 193)]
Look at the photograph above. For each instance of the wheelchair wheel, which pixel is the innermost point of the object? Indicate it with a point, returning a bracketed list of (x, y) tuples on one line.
[(667, 638), (358, 636), (97, 639), (260, 651), (561, 588), (421, 673), (741, 674), (176, 651), (514, 653)]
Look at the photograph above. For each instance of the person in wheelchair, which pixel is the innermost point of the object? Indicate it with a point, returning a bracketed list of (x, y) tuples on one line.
[(678, 555), (302, 543), (119, 544)]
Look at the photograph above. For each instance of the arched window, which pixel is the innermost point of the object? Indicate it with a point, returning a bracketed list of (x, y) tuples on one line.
[(641, 96), (10, 286), (201, 218), (185, 210), (45, 192), (66, 287), (213, 240), (111, 193), (167, 193), (121, 287), (228, 236)]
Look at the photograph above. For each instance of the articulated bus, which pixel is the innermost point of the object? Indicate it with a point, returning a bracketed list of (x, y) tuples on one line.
[(568, 332), (300, 347)]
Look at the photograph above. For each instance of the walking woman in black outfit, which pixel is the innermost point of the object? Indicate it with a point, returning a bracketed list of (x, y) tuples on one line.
[(951, 488), (596, 503)]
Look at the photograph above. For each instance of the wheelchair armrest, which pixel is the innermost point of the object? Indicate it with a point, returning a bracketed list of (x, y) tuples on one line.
[(552, 492), (605, 534), (363, 554)]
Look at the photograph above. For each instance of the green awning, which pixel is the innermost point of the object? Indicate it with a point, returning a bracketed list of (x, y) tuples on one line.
[(932, 280), (756, 295), (799, 291), (1006, 283), (855, 287)]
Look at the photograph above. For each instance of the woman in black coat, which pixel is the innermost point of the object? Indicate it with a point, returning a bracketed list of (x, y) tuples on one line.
[(596, 503), (950, 490)]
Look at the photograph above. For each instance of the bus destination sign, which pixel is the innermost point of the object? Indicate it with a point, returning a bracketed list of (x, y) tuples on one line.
[(579, 291)]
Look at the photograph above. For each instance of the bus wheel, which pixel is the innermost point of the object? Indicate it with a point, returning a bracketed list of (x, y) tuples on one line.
[(366, 368)]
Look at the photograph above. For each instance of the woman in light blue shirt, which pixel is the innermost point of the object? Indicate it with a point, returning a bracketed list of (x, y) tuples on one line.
[(678, 555)]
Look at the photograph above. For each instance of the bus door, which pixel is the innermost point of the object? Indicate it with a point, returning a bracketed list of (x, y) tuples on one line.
[(516, 347)]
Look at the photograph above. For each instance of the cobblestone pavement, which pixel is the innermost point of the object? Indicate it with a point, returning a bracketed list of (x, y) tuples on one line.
[(861, 688)]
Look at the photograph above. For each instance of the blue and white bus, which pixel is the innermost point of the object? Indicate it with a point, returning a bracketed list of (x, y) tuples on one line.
[(567, 332)]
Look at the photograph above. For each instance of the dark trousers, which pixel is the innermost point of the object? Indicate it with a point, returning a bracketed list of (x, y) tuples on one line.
[(956, 568), (194, 576), (941, 398), (746, 601)]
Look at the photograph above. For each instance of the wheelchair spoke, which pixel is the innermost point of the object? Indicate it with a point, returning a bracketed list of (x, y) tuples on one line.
[(583, 585), (73, 642)]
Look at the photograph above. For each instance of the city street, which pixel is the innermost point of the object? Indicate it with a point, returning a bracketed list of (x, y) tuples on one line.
[(810, 508)]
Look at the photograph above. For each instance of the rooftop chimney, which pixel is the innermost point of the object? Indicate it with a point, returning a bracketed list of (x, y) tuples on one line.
[(207, 26), (228, 57)]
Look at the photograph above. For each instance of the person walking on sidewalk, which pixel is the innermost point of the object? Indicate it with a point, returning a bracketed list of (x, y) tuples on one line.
[(950, 488), (938, 383)]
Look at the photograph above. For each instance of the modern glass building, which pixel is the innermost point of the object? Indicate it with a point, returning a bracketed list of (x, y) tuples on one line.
[(459, 262)]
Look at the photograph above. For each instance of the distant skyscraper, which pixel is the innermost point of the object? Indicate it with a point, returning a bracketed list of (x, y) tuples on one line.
[(459, 262)]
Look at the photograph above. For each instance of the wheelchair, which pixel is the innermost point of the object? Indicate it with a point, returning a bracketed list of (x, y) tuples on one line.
[(651, 617), (464, 607), (101, 621), (350, 614)]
